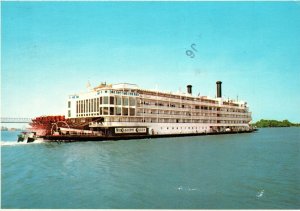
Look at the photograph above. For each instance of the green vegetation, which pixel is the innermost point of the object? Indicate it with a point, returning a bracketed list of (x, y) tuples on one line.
[(275, 123)]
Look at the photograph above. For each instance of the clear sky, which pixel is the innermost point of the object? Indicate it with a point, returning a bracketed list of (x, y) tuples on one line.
[(52, 49)]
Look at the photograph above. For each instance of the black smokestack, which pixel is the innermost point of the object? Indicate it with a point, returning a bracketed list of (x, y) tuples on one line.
[(219, 89), (189, 89)]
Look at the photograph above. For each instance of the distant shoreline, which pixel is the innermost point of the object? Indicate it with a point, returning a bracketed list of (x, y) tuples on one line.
[(264, 123), (10, 129)]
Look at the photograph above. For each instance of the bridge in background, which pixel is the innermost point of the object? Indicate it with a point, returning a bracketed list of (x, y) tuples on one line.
[(15, 120)]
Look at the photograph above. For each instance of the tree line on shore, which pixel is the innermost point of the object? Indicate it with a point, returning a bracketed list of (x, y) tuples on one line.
[(275, 123)]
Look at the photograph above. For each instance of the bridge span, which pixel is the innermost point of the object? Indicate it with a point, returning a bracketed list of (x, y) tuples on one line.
[(15, 120)]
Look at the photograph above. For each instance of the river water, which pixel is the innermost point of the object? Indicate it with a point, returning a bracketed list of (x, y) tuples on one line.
[(240, 171)]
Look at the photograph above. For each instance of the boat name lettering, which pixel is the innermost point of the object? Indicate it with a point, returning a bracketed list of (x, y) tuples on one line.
[(130, 130)]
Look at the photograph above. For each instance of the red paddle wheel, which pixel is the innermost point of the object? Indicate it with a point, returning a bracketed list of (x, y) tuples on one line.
[(42, 125)]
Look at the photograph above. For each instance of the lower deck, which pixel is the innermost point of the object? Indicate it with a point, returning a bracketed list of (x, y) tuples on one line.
[(168, 128), (76, 137)]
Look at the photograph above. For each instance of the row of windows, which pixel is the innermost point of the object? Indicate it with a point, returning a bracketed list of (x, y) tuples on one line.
[(199, 128), (173, 113), (131, 118), (177, 105), (111, 111), (92, 105), (87, 115), (188, 113), (117, 111), (88, 105), (117, 92), (176, 97), (162, 120), (203, 128)]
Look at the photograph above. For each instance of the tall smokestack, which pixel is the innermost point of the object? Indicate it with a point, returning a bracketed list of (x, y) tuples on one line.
[(189, 89), (219, 89)]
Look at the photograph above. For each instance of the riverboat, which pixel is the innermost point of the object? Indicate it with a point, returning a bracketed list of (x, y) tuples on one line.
[(125, 111)]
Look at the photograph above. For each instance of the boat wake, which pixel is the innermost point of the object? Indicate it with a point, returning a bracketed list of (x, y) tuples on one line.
[(15, 143)]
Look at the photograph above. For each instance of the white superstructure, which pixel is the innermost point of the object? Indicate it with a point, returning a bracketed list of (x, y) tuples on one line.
[(122, 106)]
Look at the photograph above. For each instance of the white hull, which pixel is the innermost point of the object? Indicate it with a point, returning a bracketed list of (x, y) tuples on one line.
[(179, 128)]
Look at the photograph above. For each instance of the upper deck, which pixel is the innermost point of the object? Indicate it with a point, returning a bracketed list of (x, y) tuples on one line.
[(135, 104)]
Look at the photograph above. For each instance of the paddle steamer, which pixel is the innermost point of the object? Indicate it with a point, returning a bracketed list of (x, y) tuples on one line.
[(112, 111)]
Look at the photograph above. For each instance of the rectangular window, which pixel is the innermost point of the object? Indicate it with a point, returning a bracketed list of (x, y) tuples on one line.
[(69, 104), (97, 106), (91, 103), (105, 110), (125, 101), (132, 112), (125, 111), (118, 99), (69, 113), (83, 106), (100, 113), (111, 110), (111, 100), (132, 101), (86, 106), (94, 104), (100, 100), (77, 107), (105, 100), (118, 111)]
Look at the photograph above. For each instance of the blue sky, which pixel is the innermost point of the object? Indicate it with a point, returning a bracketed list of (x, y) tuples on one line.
[(52, 49)]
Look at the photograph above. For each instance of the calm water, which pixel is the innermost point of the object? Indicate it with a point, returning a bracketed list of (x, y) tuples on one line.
[(258, 170)]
